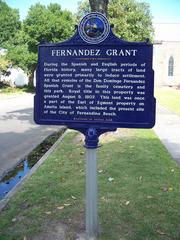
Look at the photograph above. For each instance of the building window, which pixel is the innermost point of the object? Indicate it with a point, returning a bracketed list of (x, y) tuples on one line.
[(171, 66)]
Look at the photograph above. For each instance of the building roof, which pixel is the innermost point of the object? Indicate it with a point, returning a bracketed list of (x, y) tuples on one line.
[(167, 32)]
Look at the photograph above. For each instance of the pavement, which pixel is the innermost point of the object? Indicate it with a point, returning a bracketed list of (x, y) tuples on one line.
[(19, 135), (167, 129)]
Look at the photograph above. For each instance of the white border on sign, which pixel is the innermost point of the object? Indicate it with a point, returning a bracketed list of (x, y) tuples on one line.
[(98, 39)]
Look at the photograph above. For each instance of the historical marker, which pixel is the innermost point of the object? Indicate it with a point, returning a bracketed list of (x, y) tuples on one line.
[(95, 79), (94, 83)]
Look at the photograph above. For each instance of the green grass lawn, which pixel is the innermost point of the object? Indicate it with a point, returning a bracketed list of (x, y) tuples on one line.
[(139, 191), (169, 98), (7, 90)]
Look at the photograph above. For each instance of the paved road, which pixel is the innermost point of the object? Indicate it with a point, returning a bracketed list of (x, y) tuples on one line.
[(168, 130), (19, 135)]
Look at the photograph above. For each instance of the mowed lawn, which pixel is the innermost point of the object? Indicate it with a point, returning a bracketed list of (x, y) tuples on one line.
[(169, 98), (139, 192)]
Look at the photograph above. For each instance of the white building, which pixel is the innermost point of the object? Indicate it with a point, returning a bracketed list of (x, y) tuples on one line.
[(3, 51), (166, 59), (17, 77)]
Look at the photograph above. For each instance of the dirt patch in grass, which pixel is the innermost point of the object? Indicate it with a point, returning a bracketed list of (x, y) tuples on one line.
[(56, 231), (69, 229), (79, 139), (112, 136)]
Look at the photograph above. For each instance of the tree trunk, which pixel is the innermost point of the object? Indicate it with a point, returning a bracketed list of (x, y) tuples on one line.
[(31, 82), (31, 77), (99, 6)]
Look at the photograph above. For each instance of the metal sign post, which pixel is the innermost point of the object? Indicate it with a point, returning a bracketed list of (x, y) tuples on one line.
[(91, 143), (91, 194)]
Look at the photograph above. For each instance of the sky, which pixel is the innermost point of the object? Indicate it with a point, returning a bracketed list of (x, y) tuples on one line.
[(163, 11)]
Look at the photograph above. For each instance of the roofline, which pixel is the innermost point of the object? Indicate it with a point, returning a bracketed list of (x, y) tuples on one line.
[(165, 41), (166, 23)]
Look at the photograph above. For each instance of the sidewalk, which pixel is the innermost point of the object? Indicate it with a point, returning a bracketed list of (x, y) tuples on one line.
[(167, 129)]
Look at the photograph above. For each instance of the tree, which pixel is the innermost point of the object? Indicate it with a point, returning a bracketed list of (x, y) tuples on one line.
[(9, 23), (88, 6), (132, 20), (19, 55), (18, 50), (4, 64), (99, 6), (83, 9), (49, 23)]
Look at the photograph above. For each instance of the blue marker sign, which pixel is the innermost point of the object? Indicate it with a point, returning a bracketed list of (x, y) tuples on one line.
[(95, 80)]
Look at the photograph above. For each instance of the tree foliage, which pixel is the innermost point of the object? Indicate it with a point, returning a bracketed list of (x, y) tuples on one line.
[(88, 6), (18, 51), (45, 23), (50, 23), (83, 9), (9, 22), (132, 20), (4, 64)]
